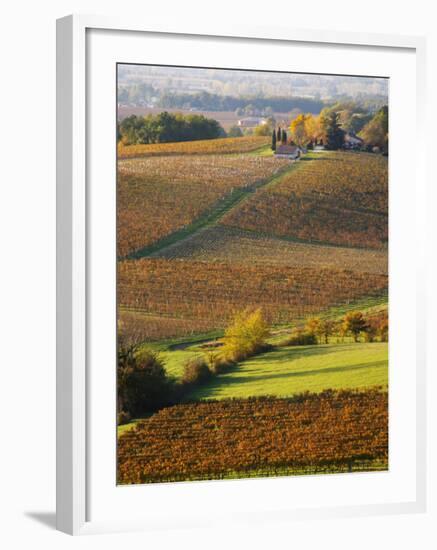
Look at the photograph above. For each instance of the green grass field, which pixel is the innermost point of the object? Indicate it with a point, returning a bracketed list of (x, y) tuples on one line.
[(290, 370), (174, 360)]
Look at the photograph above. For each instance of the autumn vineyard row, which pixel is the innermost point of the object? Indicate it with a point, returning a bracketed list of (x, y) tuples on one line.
[(159, 195), (212, 292), (200, 147), (338, 198), (334, 431), (226, 244)]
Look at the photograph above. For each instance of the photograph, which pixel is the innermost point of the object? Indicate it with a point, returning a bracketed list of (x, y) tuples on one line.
[(252, 274)]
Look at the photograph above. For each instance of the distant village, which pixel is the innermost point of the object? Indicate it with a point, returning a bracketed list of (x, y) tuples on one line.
[(284, 146)]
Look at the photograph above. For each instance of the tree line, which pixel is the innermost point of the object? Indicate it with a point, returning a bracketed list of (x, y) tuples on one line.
[(354, 324), (205, 101), (330, 127), (167, 127)]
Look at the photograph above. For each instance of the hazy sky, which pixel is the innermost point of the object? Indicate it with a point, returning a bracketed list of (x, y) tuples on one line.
[(236, 82)]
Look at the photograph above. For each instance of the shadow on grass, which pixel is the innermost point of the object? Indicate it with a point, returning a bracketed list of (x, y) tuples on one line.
[(297, 374), (278, 356), (288, 353)]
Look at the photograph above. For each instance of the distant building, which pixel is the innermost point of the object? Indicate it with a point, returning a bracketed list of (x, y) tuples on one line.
[(351, 141), (291, 152), (251, 122)]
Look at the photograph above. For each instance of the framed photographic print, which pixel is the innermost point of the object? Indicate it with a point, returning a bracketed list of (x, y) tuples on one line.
[(240, 275)]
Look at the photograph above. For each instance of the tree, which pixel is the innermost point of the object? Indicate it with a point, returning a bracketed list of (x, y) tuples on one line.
[(274, 140), (354, 323), (305, 129), (245, 336), (313, 326), (371, 332), (235, 131), (298, 130), (375, 132), (284, 137), (168, 127), (321, 328), (383, 329), (327, 328), (279, 134), (142, 383), (262, 130), (146, 385), (333, 132)]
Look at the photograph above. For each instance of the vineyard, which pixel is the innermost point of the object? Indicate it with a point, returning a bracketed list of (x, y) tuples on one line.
[(337, 198), (159, 195), (227, 244), (221, 146), (207, 229), (158, 327), (214, 291), (328, 432)]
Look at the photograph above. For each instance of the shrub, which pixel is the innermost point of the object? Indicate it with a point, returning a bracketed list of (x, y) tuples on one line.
[(354, 323), (299, 337), (142, 383), (196, 371), (246, 335), (314, 327), (222, 365), (235, 131), (123, 417), (377, 326), (383, 330), (370, 333), (217, 363)]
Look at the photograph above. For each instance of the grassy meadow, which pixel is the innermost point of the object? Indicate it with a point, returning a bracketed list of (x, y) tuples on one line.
[(288, 371)]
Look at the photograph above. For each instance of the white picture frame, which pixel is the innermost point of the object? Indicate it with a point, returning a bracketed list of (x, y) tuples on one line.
[(73, 261)]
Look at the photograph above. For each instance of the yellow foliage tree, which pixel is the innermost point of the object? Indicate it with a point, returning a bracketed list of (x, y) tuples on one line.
[(305, 128), (313, 128), (314, 326), (245, 336), (298, 130)]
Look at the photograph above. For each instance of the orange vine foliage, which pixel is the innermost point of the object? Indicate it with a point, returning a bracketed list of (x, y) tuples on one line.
[(326, 432), (200, 147), (339, 198), (231, 244), (212, 292), (159, 195)]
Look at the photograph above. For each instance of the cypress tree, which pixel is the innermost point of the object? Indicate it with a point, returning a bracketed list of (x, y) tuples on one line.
[(279, 134), (274, 140)]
